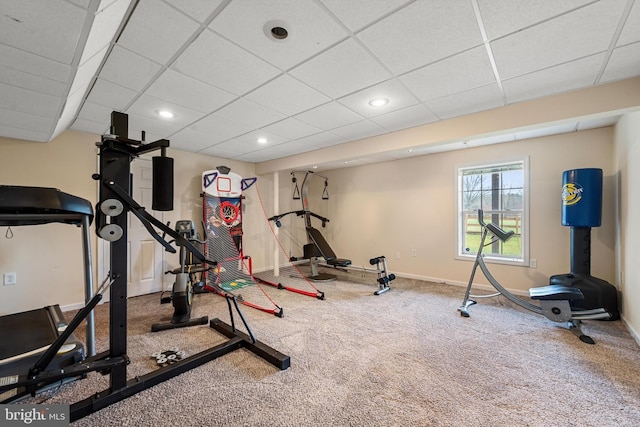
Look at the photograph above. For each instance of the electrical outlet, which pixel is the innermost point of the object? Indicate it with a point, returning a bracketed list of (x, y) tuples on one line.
[(9, 279), (533, 263), (397, 255), (413, 252)]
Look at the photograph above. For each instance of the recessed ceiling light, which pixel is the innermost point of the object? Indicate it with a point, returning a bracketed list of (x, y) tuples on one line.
[(262, 140), (166, 114), (378, 102)]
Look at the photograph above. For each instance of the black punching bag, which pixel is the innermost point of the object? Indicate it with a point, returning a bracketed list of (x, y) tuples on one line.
[(162, 184)]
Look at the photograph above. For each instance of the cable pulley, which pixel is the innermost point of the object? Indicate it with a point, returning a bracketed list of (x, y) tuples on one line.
[(111, 232), (111, 207)]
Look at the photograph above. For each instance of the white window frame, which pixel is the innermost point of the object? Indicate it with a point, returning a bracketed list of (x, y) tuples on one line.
[(460, 254)]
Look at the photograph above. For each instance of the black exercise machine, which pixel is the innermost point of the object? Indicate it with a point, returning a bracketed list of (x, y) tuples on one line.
[(317, 245), (116, 152), (26, 336), (556, 301), (187, 282)]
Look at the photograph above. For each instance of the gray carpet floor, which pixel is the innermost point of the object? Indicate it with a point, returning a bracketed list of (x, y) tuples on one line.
[(404, 358)]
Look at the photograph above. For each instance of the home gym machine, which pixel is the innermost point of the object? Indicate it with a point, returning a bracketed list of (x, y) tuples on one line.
[(317, 245), (555, 300), (186, 282), (116, 152)]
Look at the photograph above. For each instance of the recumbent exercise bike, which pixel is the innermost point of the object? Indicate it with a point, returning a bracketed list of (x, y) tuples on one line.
[(187, 282)]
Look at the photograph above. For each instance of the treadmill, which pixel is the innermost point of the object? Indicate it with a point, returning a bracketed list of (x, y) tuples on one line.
[(26, 336)]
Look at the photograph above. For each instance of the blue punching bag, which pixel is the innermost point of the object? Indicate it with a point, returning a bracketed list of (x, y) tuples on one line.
[(581, 210), (582, 198)]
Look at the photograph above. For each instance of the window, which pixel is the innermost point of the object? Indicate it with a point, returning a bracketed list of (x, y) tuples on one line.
[(500, 190)]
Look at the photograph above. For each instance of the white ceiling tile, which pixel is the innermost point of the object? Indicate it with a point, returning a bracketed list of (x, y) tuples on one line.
[(251, 138), (501, 17), (472, 101), (20, 60), (581, 33), (422, 33), (220, 63), (70, 109), (35, 26), (623, 63), (220, 128), (81, 3), (250, 113), (111, 95), (105, 25), (228, 149), (415, 115), (356, 15), (329, 116), (200, 10), (359, 130), (249, 25), (291, 128), (95, 113), (631, 31), (409, 117), (289, 149), (160, 128), (184, 90), (149, 107), (86, 72), (561, 78), (32, 82), (89, 126), (398, 97), (128, 69), (16, 119), (28, 101), (458, 73), (287, 95), (27, 135), (319, 140), (344, 69), (189, 140), (156, 31)]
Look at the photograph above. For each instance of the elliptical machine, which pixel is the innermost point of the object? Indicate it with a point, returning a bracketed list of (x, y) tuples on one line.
[(186, 283)]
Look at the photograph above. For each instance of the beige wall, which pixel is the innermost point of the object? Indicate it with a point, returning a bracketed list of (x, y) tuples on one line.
[(409, 204), (374, 210), (47, 258), (627, 177)]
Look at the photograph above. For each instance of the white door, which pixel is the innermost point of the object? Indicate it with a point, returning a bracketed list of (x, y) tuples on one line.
[(145, 253)]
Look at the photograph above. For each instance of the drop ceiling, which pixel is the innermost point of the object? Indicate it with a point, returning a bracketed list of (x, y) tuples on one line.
[(216, 65)]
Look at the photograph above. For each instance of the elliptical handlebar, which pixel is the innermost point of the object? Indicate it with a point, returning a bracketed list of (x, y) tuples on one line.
[(494, 229)]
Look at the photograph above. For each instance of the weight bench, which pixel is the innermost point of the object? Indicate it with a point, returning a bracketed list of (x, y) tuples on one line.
[(320, 248)]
